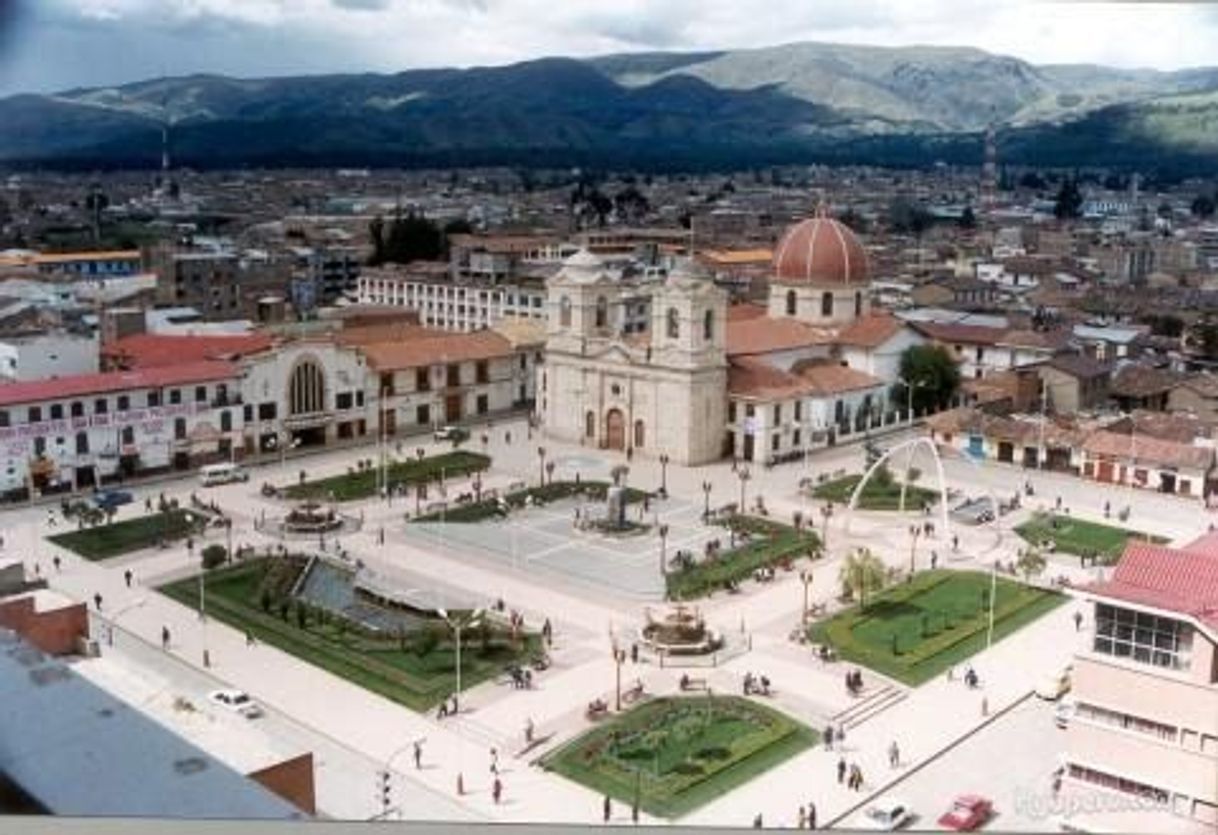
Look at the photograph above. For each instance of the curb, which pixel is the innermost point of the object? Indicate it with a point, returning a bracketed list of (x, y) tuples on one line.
[(934, 757)]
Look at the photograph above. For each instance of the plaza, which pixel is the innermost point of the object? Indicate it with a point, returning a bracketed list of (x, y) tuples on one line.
[(597, 593)]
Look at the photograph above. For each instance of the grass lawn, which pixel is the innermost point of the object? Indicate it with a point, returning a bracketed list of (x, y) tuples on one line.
[(680, 752), (410, 672), (914, 631), (553, 491), (105, 541), (1077, 536), (879, 494), (362, 483), (772, 543)]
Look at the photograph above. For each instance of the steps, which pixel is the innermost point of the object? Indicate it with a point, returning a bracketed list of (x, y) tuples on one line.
[(869, 706)]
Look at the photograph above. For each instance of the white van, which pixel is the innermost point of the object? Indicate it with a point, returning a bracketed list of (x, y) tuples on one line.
[(222, 474)]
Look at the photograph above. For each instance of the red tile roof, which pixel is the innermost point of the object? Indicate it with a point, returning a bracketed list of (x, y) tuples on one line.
[(961, 334), (86, 384), (753, 378), (428, 346), (763, 335), (871, 331), (747, 310), (1173, 579), (1147, 450), (148, 350)]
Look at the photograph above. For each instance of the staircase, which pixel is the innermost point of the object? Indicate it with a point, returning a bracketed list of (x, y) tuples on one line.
[(872, 704)]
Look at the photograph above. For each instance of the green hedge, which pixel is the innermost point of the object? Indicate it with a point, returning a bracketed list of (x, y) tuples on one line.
[(553, 491), (879, 494), (777, 542), (362, 484), (106, 541)]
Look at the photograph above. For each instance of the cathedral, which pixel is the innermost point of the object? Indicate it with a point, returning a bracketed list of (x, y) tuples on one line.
[(669, 368)]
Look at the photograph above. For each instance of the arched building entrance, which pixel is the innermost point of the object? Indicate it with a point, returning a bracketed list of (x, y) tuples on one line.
[(615, 430)]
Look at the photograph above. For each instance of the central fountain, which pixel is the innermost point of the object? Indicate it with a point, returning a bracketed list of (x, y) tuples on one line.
[(680, 631), (309, 518)]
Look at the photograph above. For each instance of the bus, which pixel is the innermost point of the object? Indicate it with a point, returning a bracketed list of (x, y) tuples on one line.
[(222, 474)]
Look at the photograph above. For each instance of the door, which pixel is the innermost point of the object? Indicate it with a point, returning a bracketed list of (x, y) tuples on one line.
[(1006, 452), (976, 446), (1103, 471), (389, 419), (747, 455), (615, 430), (452, 408)]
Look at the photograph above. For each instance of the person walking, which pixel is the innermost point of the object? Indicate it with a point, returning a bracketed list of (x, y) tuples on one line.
[(894, 755), (165, 637), (841, 769), (58, 563), (249, 638), (1078, 621), (528, 731), (828, 737), (494, 761), (497, 790), (608, 809), (758, 823), (803, 818), (97, 600), (418, 755), (127, 575), (811, 815)]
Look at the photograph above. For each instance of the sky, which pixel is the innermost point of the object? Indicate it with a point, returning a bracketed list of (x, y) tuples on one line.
[(48, 45)]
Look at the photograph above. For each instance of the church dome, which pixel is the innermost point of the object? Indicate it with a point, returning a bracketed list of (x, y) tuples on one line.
[(820, 251)]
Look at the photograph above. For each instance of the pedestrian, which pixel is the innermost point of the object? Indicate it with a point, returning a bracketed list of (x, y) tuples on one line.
[(418, 755), (380, 535), (460, 784), (1078, 621), (840, 735), (148, 504), (934, 560), (494, 761), (757, 822), (608, 808), (811, 815), (37, 570), (985, 706), (528, 731), (955, 542), (249, 638), (127, 576), (803, 817), (453, 708), (55, 561), (841, 769), (51, 518), (165, 637), (951, 673), (894, 754), (634, 653), (97, 600), (828, 737), (497, 790)]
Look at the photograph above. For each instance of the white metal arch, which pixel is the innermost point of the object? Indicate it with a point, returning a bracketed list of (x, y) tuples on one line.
[(910, 445)]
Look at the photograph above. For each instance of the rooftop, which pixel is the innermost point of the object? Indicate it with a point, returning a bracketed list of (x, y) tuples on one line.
[(1181, 580), (148, 350), (145, 378), (763, 335)]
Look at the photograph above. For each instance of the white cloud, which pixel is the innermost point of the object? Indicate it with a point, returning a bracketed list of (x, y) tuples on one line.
[(108, 41)]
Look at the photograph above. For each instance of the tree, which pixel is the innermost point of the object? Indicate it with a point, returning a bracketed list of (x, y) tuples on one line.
[(906, 216), (1069, 202), (854, 220), (861, 572), (214, 556), (934, 373), (413, 238), (1203, 205), (1030, 562), (968, 220)]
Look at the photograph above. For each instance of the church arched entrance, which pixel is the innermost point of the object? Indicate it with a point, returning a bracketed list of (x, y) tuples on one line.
[(615, 430)]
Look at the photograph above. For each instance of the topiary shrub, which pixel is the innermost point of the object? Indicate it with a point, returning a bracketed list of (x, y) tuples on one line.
[(214, 556)]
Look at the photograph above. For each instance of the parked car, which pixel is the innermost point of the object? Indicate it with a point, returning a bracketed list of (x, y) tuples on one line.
[(452, 433), (112, 498), (1055, 685), (968, 812), (238, 701), (888, 815)]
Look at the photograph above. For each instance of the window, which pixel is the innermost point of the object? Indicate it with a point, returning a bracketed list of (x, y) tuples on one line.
[(777, 413), (1121, 784), (639, 434), (775, 440), (858, 304), (453, 375), (483, 404), (708, 325), (57, 411), (40, 445), (1146, 639), (100, 406), (386, 385), (179, 429), (673, 325), (359, 398), (795, 438), (1125, 721), (749, 410), (422, 380), (82, 443), (826, 304), (268, 410), (4, 418), (590, 424), (731, 412), (154, 399), (306, 388), (602, 312), (128, 435), (799, 409), (482, 372), (524, 361), (35, 414), (792, 300), (422, 414), (175, 396), (247, 412), (226, 421), (343, 401), (564, 312)]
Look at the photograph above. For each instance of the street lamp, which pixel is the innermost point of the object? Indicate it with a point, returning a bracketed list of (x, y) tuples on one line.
[(706, 491), (457, 626), (541, 467), (744, 476), (664, 459), (663, 531), (135, 604), (826, 513), (910, 385), (550, 471), (805, 577), (619, 658), (914, 532)]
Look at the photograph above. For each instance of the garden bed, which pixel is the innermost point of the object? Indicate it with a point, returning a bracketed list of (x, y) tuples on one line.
[(105, 541), (360, 484), (1080, 537), (773, 544)]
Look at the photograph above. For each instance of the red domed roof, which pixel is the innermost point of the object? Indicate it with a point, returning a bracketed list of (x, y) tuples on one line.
[(820, 250)]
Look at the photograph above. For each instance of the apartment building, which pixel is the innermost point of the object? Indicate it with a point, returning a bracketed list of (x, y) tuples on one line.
[(1142, 745), (428, 289)]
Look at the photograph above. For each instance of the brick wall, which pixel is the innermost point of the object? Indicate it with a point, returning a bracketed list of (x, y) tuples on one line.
[(54, 632), (292, 780)]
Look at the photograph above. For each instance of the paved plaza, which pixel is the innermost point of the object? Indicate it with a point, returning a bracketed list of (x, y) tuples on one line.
[(595, 592)]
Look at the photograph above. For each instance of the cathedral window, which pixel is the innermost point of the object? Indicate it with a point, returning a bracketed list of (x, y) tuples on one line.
[(826, 304), (674, 327), (564, 312), (638, 434), (858, 304), (791, 302), (590, 424), (708, 325), (602, 312)]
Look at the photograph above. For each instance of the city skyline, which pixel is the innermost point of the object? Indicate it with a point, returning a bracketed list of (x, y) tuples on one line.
[(111, 42)]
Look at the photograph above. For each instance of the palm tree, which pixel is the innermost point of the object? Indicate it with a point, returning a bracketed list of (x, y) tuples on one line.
[(862, 572)]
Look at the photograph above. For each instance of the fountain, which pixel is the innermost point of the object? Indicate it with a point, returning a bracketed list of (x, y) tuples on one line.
[(681, 631), (309, 518)]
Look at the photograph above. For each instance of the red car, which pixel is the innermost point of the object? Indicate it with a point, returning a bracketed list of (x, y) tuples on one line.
[(968, 812)]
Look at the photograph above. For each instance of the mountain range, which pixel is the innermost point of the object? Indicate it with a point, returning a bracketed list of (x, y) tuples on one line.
[(792, 103)]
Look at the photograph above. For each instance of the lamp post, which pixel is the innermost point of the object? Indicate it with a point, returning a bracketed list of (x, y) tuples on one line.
[(664, 459), (619, 658), (910, 385), (706, 491), (541, 466), (805, 577), (914, 532), (457, 626), (826, 513), (135, 604), (744, 476), (550, 471), (663, 531), (203, 614)]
